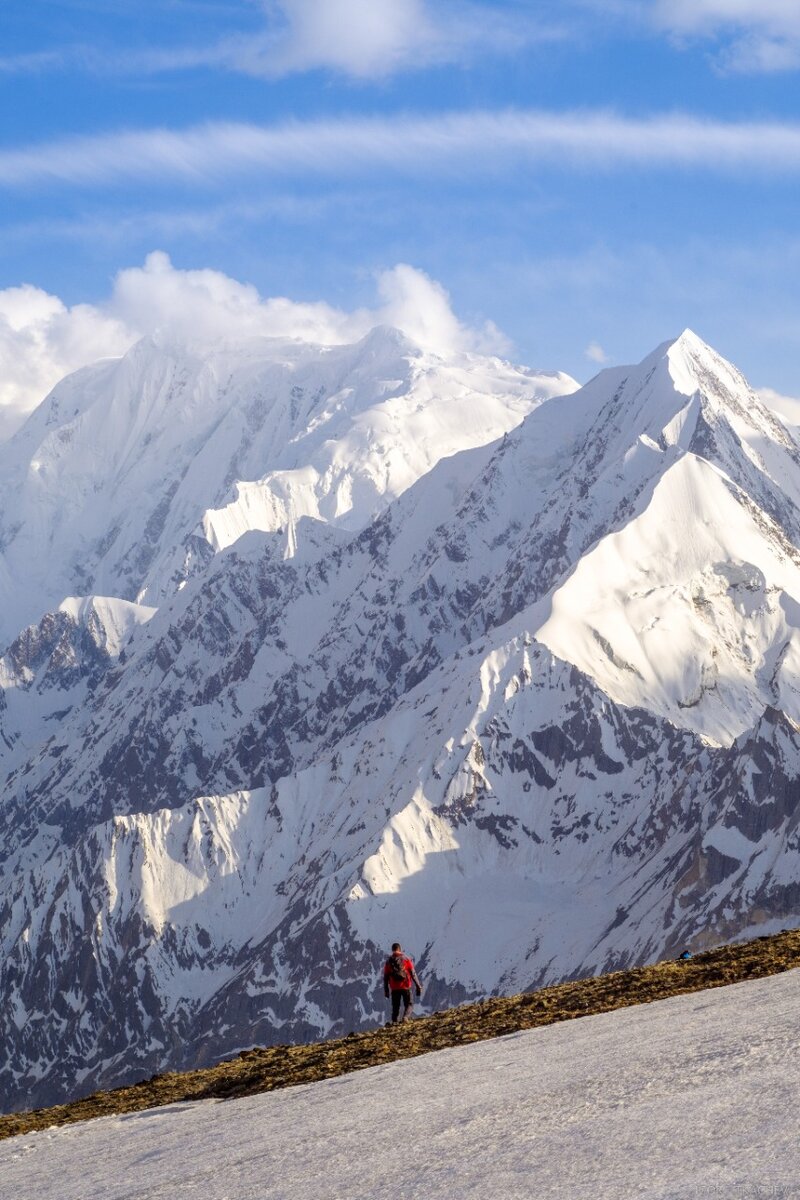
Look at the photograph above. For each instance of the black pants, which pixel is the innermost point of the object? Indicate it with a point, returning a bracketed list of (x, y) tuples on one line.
[(399, 994)]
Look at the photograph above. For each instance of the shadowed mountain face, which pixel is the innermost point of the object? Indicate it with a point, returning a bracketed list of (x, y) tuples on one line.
[(531, 707)]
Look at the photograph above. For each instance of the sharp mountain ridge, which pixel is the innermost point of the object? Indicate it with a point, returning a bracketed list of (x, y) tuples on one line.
[(529, 700)]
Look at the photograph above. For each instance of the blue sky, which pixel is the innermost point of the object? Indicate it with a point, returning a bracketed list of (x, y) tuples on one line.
[(591, 177)]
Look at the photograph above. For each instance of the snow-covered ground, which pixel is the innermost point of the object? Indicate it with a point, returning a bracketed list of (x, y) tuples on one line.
[(693, 1098)]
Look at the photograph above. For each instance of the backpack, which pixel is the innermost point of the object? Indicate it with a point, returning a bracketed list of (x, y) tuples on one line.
[(397, 970)]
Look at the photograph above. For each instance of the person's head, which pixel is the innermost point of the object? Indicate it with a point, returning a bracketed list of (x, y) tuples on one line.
[(396, 947)]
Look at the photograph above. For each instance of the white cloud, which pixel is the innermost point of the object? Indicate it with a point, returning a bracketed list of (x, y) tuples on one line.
[(709, 15), (363, 39), (787, 407), (206, 304), (41, 339), (360, 39), (755, 35), (368, 39), (762, 55), (420, 306), (595, 353), (213, 153)]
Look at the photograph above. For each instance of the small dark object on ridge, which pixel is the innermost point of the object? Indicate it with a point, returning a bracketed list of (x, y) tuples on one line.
[(683, 957)]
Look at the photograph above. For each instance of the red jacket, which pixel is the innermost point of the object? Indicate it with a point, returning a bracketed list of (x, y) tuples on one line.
[(397, 985)]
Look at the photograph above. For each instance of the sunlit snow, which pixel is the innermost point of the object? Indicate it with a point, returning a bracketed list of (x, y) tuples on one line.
[(692, 1098)]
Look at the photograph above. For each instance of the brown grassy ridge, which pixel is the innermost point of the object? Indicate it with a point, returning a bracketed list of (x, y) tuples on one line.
[(265, 1070)]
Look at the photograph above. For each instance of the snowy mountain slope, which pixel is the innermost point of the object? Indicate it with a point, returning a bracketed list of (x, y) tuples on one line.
[(49, 669), (631, 551), (690, 1096), (540, 714), (558, 834), (694, 604), (132, 473)]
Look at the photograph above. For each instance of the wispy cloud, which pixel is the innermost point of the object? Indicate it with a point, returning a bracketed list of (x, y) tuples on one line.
[(36, 61), (704, 16), (114, 227), (363, 40), (746, 36), (368, 39), (213, 153), (753, 35), (596, 354)]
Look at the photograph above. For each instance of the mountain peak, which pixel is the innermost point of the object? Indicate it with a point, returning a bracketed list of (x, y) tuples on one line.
[(691, 364), (689, 340), (695, 367), (686, 374), (390, 336)]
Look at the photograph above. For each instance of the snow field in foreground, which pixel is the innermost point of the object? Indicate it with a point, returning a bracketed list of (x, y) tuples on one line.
[(693, 1097)]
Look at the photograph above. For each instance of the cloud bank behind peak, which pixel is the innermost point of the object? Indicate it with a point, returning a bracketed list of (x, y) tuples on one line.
[(42, 339)]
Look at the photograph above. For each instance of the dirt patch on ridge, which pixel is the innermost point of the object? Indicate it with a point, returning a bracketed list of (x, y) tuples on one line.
[(265, 1070)]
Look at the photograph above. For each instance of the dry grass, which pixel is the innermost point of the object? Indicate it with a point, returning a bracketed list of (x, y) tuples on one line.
[(264, 1070)]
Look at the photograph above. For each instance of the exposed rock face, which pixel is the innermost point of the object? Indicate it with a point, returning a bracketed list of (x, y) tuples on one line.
[(536, 714)]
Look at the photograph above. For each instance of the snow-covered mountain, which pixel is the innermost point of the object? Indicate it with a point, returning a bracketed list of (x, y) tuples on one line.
[(537, 717), (134, 472)]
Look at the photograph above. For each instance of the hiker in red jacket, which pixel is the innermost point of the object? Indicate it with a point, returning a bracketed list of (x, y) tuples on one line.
[(398, 976)]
